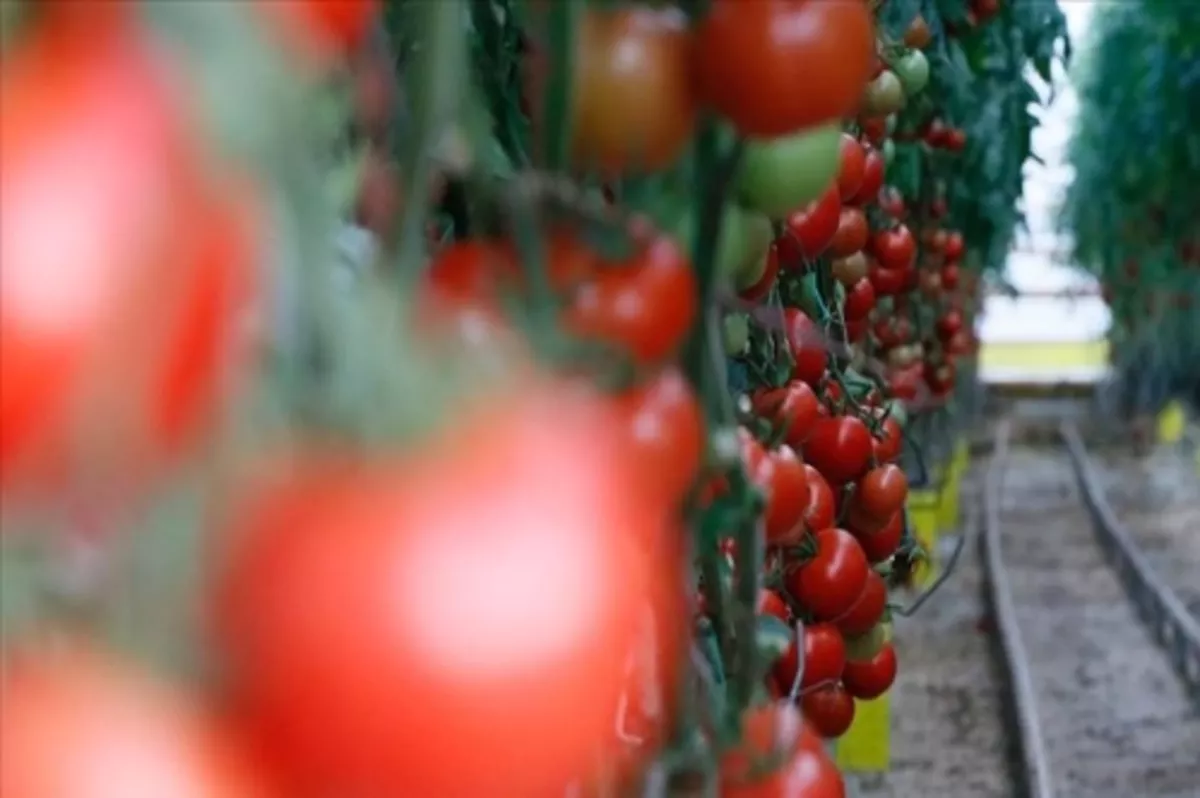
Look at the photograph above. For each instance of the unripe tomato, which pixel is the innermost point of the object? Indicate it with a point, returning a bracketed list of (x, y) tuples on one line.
[(852, 233), (762, 288), (913, 70), (852, 165), (850, 270), (807, 344), (840, 448), (779, 175), (810, 231), (634, 108), (331, 586), (830, 583), (735, 333), (884, 95), (871, 678), (750, 58)]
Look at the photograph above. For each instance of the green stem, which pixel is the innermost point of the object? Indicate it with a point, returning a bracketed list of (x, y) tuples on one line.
[(563, 24)]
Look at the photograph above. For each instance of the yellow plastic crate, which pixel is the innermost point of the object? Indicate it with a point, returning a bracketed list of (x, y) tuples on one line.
[(1172, 422), (866, 747), (924, 509)]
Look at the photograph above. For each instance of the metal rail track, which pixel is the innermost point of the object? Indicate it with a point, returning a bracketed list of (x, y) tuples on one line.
[(1168, 619)]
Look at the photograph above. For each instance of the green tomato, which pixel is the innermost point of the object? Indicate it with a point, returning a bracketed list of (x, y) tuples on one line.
[(780, 175), (860, 648), (735, 333), (757, 233), (884, 95), (913, 70), (889, 151), (744, 238)]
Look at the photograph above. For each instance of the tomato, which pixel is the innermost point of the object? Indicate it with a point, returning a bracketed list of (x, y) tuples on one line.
[(950, 323), (852, 167), (874, 128), (851, 269), (883, 542), (935, 133), (829, 584), (751, 57), (829, 709), (821, 510), (871, 678), (771, 603), (882, 491), (955, 139), (775, 732), (905, 383), (634, 108), (762, 288), (884, 95), (807, 343), (860, 301), (80, 724), (742, 246), (794, 405), (851, 235), (869, 608), (940, 377), (646, 305), (872, 181), (782, 480), (886, 446), (953, 248), (331, 586), (887, 282), (894, 248), (891, 202), (950, 276), (824, 658), (913, 70), (735, 334), (892, 332), (810, 231), (325, 26), (123, 271), (840, 448), (918, 34), (779, 175), (665, 427)]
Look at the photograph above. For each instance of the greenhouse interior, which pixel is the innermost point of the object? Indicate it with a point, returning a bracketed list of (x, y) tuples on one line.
[(794, 399)]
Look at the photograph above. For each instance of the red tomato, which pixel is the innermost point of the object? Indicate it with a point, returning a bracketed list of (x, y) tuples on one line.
[(852, 166), (950, 274), (887, 446), (860, 301), (891, 202), (829, 709), (474, 271), (810, 231), (824, 658), (953, 248), (821, 510), (874, 128), (852, 233), (882, 491), (887, 282), (776, 731), (122, 269), (807, 343), (829, 584), (882, 543), (634, 106), (857, 330), (762, 288), (872, 678), (949, 324), (77, 724), (751, 57), (646, 305), (840, 448), (872, 180), (327, 26), (332, 588), (780, 476), (794, 405), (895, 248), (771, 603), (869, 608), (665, 427)]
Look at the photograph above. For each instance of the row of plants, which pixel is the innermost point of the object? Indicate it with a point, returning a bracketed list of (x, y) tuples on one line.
[(1128, 210), (589, 472)]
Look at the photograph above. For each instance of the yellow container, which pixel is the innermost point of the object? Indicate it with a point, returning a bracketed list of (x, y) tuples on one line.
[(866, 747), (924, 509), (1172, 422)]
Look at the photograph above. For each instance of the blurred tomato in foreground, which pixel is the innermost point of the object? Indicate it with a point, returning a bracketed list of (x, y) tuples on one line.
[(780, 757), (453, 623), (120, 266), (323, 26), (76, 725)]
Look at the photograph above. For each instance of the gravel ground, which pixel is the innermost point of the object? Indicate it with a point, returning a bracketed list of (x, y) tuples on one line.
[(1116, 720)]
